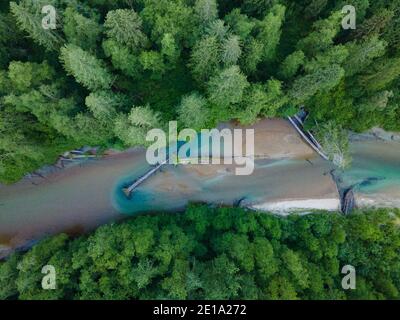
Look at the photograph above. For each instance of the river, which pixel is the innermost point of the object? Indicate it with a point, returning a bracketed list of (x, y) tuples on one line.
[(82, 197)]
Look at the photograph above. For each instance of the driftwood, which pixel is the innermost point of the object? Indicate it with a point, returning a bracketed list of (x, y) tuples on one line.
[(307, 136), (128, 191)]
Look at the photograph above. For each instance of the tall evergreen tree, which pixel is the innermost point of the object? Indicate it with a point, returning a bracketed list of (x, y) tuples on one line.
[(270, 31), (227, 87), (85, 68), (321, 80), (125, 27), (80, 30), (29, 19), (193, 112)]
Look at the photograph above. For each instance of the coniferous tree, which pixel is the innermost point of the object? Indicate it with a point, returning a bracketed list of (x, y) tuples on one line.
[(159, 51), (381, 75), (132, 129), (314, 8), (80, 30), (321, 80), (362, 54), (206, 11), (335, 55), (231, 50), (270, 31), (105, 104), (375, 25), (335, 143), (322, 35), (193, 112), (205, 58), (291, 64), (227, 87), (125, 27), (258, 7), (29, 19), (85, 68), (122, 58)]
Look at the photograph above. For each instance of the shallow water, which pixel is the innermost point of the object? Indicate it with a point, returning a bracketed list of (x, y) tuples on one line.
[(375, 167), (174, 187)]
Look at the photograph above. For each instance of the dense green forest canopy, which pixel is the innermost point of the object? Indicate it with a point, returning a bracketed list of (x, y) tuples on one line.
[(217, 253), (112, 70)]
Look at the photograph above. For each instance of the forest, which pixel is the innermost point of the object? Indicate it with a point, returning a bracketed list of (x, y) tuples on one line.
[(216, 253), (111, 70)]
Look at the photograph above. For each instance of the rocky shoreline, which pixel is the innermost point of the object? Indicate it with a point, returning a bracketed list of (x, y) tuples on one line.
[(375, 134)]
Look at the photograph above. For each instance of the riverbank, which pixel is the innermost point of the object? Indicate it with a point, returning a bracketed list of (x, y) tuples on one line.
[(376, 134), (299, 205), (275, 139)]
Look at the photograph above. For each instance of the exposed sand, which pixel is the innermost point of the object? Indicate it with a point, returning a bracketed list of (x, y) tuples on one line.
[(275, 139), (289, 206), (377, 201)]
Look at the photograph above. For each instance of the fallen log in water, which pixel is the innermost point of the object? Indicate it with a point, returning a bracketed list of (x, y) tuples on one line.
[(128, 191)]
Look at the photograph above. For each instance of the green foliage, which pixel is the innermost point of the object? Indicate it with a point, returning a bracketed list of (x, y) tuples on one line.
[(125, 27), (23, 76), (29, 281), (165, 16), (206, 11), (218, 29), (152, 61), (193, 112), (29, 19), (322, 35), (85, 68), (360, 5), (8, 277), (122, 58), (291, 64), (253, 55), (240, 24), (315, 8), (169, 49), (382, 74), (216, 253), (205, 58), (270, 31), (227, 87), (80, 30), (320, 80), (375, 25), (231, 51), (333, 56), (262, 101), (332, 106), (132, 129), (105, 104), (258, 7), (335, 143), (361, 55)]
